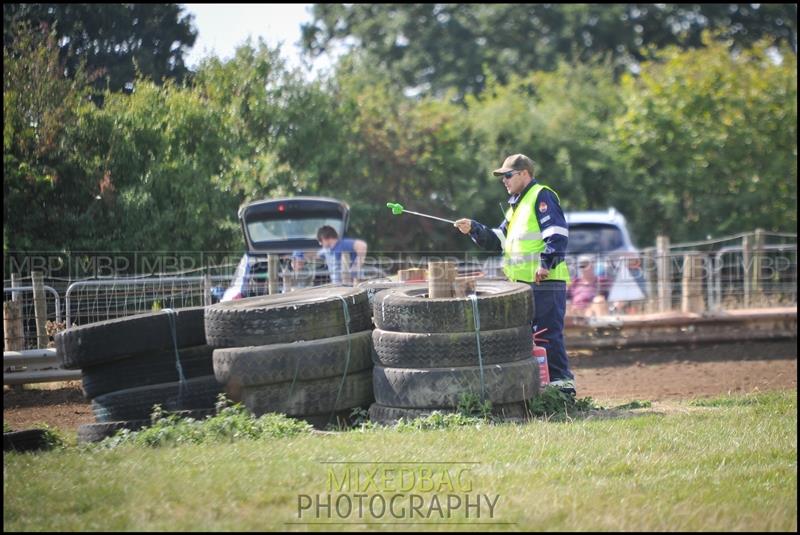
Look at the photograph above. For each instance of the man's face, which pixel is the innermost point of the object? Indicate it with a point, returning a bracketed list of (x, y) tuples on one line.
[(514, 181), (328, 243)]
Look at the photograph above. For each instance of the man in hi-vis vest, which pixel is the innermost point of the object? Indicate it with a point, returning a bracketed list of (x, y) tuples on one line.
[(533, 239)]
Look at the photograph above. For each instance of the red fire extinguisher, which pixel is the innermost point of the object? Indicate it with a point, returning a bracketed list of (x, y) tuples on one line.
[(540, 354)]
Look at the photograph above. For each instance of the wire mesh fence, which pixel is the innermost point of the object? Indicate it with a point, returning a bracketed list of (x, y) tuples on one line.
[(99, 300), (749, 270)]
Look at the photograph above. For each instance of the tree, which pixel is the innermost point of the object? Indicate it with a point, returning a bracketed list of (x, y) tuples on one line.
[(708, 142), (560, 119), (115, 40), (432, 47), (39, 174)]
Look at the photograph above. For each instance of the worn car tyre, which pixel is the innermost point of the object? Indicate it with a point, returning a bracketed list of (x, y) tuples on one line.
[(25, 440), (375, 286), (500, 305), (432, 388), (302, 361), (390, 415), (146, 369), (305, 398), (441, 350), (99, 431), (137, 403), (106, 341), (306, 314)]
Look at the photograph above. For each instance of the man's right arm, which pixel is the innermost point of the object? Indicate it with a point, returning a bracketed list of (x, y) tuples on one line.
[(483, 236)]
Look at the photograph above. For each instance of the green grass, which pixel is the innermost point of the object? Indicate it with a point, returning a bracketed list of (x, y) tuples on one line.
[(717, 465)]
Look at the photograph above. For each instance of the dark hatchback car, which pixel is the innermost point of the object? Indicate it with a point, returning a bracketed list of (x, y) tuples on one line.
[(283, 227)]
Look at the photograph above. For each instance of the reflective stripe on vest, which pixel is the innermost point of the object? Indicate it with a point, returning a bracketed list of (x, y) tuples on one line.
[(525, 243)]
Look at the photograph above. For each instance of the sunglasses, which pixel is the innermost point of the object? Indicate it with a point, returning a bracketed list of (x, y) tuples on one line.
[(507, 175)]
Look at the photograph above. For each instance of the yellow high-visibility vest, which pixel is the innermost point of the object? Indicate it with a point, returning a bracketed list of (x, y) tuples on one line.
[(524, 242)]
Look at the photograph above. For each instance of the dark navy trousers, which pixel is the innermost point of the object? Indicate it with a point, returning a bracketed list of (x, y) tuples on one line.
[(549, 308)]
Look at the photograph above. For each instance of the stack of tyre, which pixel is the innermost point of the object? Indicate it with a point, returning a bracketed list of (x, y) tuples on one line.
[(306, 354), (130, 364), (375, 286), (431, 352)]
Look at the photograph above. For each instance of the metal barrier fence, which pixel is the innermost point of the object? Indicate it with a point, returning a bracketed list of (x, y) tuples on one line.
[(99, 300), (35, 366), (736, 272)]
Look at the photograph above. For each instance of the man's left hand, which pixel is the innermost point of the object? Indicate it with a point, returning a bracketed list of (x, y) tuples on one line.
[(541, 274)]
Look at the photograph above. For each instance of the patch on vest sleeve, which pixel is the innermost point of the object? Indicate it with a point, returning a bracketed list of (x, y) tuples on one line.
[(542, 207)]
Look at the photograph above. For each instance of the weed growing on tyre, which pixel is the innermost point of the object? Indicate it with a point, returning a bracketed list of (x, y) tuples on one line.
[(359, 416), (52, 437), (469, 405), (222, 402)]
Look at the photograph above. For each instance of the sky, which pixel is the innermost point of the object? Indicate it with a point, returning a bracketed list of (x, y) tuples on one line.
[(222, 27)]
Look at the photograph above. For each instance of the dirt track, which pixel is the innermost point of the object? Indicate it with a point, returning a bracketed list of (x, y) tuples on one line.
[(647, 375), (685, 373)]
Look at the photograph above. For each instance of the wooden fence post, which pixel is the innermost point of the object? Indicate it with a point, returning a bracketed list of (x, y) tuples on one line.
[(12, 326), (758, 271), (692, 283), (15, 284), (649, 266), (747, 258), (664, 274), (40, 309)]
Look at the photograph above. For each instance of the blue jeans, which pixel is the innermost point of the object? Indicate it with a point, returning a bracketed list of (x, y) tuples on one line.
[(549, 308)]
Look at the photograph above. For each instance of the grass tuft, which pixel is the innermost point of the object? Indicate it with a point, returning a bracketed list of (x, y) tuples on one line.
[(553, 404)]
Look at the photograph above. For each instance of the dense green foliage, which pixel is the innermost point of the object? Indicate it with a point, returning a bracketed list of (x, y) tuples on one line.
[(435, 47), (707, 138), (114, 40), (701, 141)]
